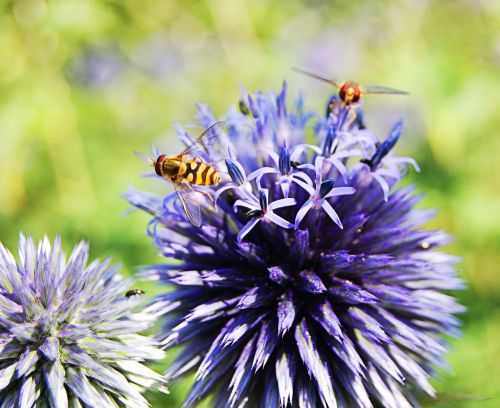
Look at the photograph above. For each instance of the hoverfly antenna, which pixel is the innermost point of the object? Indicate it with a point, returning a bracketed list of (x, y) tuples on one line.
[(154, 151), (147, 159)]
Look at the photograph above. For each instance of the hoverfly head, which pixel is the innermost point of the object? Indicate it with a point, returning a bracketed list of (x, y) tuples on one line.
[(158, 164)]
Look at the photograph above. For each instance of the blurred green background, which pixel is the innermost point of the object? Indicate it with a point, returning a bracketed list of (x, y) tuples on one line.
[(84, 83)]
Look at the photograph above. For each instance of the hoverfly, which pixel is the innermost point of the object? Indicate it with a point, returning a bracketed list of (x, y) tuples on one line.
[(350, 92), (134, 292), (185, 172)]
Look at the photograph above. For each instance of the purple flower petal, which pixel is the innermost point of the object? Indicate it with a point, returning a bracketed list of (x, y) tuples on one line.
[(315, 366), (54, 378), (303, 212), (311, 282), (284, 202), (305, 186), (286, 313), (266, 343), (50, 348), (369, 326), (383, 184), (339, 166), (378, 356), (255, 297), (340, 191), (247, 228), (277, 274), (331, 213), (348, 292), (261, 172), (27, 393), (323, 313), (408, 160), (303, 177), (276, 219), (221, 190), (246, 204), (242, 373), (285, 188), (286, 366)]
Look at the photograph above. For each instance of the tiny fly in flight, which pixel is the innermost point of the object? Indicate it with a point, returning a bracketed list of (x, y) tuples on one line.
[(185, 172), (350, 92)]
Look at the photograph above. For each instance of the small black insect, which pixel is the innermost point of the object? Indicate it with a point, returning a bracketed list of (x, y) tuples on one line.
[(255, 213), (244, 107), (134, 292)]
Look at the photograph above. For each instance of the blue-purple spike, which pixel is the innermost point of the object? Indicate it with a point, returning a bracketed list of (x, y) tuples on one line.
[(326, 187), (328, 143), (263, 200), (281, 101), (386, 146), (234, 172), (284, 160)]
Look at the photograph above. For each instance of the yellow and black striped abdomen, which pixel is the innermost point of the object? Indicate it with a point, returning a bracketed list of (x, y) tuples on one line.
[(201, 173)]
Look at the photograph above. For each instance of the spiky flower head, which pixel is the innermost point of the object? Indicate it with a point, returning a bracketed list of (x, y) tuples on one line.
[(311, 283), (68, 335)]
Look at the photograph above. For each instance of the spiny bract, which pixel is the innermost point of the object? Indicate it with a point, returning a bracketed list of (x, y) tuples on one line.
[(68, 336), (311, 283)]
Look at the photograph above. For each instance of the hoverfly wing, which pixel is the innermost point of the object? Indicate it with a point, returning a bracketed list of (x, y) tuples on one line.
[(190, 205), (206, 139), (318, 77), (374, 89)]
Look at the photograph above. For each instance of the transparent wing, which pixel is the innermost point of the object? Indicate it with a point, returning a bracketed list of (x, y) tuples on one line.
[(207, 138), (319, 77), (374, 89), (189, 203)]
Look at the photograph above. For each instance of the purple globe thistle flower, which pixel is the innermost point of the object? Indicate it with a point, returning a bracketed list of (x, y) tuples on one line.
[(311, 283), (68, 336)]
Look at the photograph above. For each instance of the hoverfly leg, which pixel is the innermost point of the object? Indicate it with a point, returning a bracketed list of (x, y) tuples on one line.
[(209, 196), (352, 120), (211, 163)]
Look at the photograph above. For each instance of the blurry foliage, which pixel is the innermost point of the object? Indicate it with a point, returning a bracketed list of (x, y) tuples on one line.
[(84, 83)]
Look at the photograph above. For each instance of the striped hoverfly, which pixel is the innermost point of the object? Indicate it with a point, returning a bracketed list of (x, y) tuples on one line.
[(184, 172), (350, 92)]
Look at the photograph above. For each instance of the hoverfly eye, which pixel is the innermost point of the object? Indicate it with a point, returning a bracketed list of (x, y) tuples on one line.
[(159, 164)]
